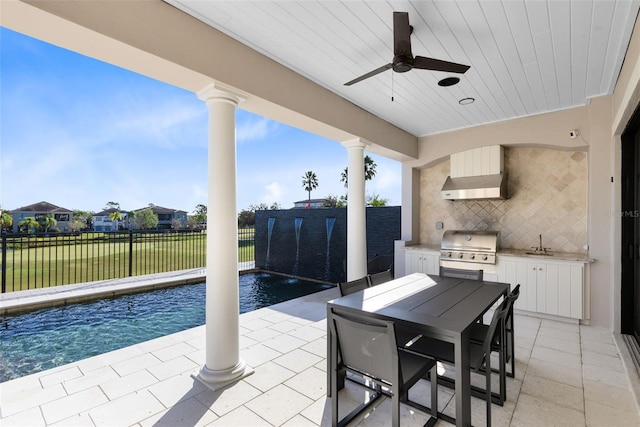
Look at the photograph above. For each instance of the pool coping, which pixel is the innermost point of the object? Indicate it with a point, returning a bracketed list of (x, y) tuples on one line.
[(27, 300)]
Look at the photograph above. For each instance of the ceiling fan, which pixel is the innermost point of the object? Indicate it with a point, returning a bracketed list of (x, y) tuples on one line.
[(403, 59)]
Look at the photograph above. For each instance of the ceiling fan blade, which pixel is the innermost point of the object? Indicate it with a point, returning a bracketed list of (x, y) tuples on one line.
[(369, 74), (438, 65), (401, 34)]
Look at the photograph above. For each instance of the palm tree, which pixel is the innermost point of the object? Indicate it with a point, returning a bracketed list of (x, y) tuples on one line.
[(29, 224), (376, 201), (115, 216), (47, 221), (6, 222), (309, 182), (369, 171)]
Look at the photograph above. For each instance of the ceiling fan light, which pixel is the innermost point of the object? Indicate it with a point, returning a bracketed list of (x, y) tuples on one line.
[(448, 81), (466, 101)]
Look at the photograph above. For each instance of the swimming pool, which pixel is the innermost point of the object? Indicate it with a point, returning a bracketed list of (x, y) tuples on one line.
[(50, 337)]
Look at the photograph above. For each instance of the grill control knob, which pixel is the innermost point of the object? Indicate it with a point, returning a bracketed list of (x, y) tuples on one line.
[(460, 255), (449, 255), (485, 257), (472, 256)]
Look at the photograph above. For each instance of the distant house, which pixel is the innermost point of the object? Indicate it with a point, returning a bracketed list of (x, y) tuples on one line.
[(308, 204), (102, 220), (166, 217), (61, 215)]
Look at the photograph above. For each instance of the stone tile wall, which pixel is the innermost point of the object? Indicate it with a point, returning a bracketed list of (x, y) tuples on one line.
[(548, 196)]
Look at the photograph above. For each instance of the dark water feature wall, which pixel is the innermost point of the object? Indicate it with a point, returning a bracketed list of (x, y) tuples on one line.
[(312, 243)]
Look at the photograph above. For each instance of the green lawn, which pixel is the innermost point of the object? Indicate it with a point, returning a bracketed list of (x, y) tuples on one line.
[(107, 257)]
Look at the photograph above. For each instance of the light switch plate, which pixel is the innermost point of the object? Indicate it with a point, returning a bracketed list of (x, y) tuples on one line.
[(439, 225)]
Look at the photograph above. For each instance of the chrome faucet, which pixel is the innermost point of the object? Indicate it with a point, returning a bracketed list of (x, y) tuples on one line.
[(540, 248)]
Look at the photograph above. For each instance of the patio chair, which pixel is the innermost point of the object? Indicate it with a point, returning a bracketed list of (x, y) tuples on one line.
[(480, 357), (479, 331), (347, 288), (379, 263), (403, 335), (461, 274), (379, 278), (368, 347)]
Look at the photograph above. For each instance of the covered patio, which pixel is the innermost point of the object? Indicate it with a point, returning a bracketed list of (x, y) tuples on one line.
[(566, 375)]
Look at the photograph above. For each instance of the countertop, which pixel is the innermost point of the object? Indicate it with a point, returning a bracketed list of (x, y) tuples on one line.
[(424, 247), (522, 253), (558, 256)]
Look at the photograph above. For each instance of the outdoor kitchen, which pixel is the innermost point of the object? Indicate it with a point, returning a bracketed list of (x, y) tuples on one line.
[(535, 236)]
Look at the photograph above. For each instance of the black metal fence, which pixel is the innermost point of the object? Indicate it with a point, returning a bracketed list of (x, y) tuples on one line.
[(39, 260)]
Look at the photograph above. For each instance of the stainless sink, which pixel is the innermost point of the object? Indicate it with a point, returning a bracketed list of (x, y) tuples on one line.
[(539, 253)]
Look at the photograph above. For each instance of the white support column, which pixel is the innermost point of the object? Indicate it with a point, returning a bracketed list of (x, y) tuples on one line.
[(356, 211), (223, 365)]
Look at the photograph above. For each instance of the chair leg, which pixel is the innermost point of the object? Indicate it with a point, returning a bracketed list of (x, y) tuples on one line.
[(512, 350), (503, 377), (395, 402), (434, 391), (511, 344), (488, 389), (334, 399)]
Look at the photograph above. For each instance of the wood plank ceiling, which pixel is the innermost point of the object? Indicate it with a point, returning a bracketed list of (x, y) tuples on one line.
[(526, 57)]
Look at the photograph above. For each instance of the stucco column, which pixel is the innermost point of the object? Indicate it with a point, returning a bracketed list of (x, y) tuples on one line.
[(223, 364), (356, 211)]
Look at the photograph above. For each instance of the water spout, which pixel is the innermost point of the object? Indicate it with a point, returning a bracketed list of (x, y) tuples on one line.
[(298, 225), (270, 224), (327, 266)]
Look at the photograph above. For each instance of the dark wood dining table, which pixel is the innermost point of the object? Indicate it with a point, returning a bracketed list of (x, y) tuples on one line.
[(439, 307)]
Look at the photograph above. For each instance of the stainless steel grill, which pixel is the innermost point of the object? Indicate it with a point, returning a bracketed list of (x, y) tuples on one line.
[(469, 250)]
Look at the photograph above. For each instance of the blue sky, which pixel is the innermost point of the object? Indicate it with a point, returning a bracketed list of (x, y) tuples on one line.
[(79, 133)]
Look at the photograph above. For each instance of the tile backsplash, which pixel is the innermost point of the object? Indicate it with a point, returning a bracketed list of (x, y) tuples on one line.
[(548, 196)]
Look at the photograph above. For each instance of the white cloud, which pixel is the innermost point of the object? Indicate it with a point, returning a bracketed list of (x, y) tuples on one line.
[(273, 192), (199, 193), (255, 129), (156, 123), (387, 178)]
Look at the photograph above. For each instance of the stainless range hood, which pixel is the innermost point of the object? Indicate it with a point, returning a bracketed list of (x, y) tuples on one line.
[(476, 174), (475, 187)]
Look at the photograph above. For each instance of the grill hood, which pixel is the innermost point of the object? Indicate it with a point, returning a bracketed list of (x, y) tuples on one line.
[(475, 187)]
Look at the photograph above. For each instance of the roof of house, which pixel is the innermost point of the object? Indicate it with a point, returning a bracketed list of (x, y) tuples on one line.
[(160, 210), (42, 207), (109, 211), (312, 201)]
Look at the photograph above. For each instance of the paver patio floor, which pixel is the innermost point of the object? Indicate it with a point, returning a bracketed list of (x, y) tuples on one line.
[(566, 375)]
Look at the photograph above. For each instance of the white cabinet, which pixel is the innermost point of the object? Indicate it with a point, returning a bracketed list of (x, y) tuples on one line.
[(422, 261), (487, 160), (517, 272), (545, 287), (560, 289)]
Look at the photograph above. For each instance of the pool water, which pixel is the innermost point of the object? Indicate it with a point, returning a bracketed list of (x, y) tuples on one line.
[(50, 337)]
